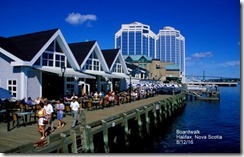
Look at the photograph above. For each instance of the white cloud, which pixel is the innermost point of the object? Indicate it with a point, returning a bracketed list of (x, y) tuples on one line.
[(231, 63), (200, 55), (77, 18)]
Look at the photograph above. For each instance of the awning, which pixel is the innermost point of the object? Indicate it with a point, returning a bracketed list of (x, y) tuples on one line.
[(121, 75), (100, 73), (69, 72)]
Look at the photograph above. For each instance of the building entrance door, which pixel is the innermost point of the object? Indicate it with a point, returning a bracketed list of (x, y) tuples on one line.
[(52, 86)]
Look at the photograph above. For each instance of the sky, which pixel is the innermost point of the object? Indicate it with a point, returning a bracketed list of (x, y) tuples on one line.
[(211, 27)]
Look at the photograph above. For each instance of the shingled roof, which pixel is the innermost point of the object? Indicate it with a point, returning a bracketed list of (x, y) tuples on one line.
[(26, 46), (109, 56), (80, 50)]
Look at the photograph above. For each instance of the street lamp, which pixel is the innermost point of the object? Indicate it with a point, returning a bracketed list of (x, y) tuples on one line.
[(63, 68), (130, 90)]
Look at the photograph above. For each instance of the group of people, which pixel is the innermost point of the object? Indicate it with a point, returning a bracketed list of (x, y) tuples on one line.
[(45, 116), (45, 110)]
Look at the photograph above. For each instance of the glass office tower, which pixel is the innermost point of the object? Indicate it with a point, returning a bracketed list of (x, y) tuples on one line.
[(170, 47), (136, 39)]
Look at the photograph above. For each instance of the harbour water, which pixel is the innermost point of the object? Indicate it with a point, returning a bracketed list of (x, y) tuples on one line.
[(204, 127)]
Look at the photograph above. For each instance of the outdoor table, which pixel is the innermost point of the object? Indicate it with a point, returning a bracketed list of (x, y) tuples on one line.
[(2, 113), (24, 114)]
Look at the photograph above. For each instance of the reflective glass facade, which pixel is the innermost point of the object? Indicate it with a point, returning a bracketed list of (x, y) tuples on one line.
[(136, 39), (170, 47)]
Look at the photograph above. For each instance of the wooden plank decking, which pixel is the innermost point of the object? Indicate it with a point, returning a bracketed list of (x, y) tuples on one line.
[(23, 135)]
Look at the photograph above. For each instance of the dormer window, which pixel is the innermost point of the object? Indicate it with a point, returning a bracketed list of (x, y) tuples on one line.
[(96, 65), (59, 60), (53, 59), (92, 63), (117, 68), (47, 59)]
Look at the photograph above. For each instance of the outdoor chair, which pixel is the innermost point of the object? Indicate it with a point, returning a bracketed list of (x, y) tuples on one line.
[(89, 104), (67, 110), (17, 119), (22, 108), (32, 116), (105, 102)]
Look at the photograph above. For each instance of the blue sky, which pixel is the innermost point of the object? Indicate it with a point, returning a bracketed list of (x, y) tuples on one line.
[(211, 27)]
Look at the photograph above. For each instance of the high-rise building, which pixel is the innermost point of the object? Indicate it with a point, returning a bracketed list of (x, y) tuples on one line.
[(170, 47), (167, 46), (136, 39)]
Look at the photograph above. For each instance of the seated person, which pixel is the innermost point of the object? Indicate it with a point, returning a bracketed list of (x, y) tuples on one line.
[(74, 96), (95, 96), (29, 102)]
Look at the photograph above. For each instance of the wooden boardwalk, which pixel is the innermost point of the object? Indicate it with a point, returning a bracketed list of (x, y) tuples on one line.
[(18, 137)]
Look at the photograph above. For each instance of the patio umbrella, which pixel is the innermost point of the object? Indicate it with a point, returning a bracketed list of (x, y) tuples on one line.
[(5, 94)]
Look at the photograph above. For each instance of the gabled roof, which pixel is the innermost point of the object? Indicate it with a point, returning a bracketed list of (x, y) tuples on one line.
[(81, 50), (8, 45), (26, 46), (109, 56), (137, 57)]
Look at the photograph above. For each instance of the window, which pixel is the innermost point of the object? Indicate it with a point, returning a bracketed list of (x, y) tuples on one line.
[(96, 65), (51, 59), (145, 31), (157, 66), (47, 59), (117, 68), (92, 63), (12, 87), (88, 65), (59, 60), (53, 56)]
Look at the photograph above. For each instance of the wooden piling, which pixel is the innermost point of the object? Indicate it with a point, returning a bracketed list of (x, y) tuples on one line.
[(147, 119), (105, 136), (139, 122), (64, 143), (155, 108), (160, 111), (126, 129), (90, 144), (74, 141)]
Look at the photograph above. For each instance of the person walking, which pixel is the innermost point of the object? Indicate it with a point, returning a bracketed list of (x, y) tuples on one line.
[(49, 114), (74, 105), (41, 115), (60, 113)]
